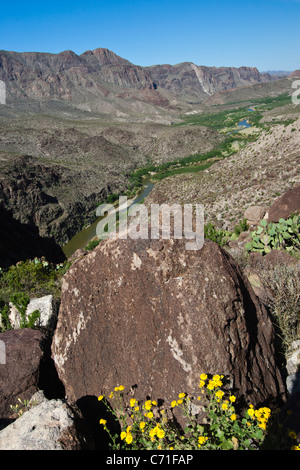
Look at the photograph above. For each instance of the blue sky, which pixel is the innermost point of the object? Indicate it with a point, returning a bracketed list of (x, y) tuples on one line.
[(263, 34)]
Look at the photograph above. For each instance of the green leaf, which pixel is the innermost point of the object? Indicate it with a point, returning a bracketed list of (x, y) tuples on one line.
[(286, 236), (226, 445), (263, 223), (265, 239)]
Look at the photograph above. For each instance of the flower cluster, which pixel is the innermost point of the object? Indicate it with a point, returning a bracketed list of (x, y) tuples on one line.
[(149, 426)]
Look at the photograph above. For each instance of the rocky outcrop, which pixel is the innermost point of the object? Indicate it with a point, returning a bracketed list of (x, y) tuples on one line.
[(20, 375), (201, 81), (285, 205), (47, 425), (152, 316), (46, 202), (20, 241)]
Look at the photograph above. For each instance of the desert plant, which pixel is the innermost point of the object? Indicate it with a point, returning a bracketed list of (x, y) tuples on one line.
[(35, 277), (242, 226), (147, 425), (283, 235), (219, 236), (92, 244), (21, 300), (283, 286)]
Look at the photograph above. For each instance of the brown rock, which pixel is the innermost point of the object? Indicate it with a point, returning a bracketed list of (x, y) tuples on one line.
[(20, 374), (152, 316), (285, 205), (254, 214)]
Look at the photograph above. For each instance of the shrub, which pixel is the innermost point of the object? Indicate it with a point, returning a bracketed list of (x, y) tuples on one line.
[(284, 235), (218, 236), (27, 279), (21, 301), (147, 426), (242, 226), (34, 277), (92, 244), (283, 285)]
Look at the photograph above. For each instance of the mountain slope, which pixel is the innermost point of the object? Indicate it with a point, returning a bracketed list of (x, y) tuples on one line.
[(101, 81), (255, 175)]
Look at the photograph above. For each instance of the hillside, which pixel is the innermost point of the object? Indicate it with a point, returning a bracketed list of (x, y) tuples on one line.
[(75, 127), (99, 81), (255, 175)]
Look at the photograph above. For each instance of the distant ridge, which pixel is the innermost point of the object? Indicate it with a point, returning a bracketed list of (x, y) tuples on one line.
[(100, 80)]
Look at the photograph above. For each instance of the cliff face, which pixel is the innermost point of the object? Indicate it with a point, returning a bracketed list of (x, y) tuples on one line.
[(83, 78), (66, 75), (202, 81)]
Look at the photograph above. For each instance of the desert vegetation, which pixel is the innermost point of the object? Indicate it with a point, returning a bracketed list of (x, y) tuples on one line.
[(212, 419)]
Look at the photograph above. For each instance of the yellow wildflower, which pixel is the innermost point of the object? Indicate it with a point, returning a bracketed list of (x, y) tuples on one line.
[(174, 403), (154, 402), (262, 425), (233, 417), (132, 402), (123, 435), (201, 384), (181, 395), (148, 405), (211, 385), (103, 421), (219, 394), (293, 435), (202, 439), (128, 438), (232, 398), (224, 406), (142, 424), (203, 376), (100, 398), (160, 433), (149, 415)]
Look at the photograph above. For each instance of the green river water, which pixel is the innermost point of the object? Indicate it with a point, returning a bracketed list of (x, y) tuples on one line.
[(82, 238)]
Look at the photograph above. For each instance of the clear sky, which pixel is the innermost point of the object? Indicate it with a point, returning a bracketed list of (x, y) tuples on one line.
[(258, 33)]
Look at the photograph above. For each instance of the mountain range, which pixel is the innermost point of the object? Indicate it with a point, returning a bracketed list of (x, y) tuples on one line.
[(100, 81)]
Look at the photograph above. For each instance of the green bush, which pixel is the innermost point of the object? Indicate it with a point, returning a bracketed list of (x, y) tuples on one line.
[(92, 244), (35, 277), (27, 279), (21, 301), (283, 235), (219, 236)]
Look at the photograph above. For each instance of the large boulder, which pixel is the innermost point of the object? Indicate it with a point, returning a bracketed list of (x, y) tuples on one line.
[(20, 372), (152, 316), (285, 205)]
